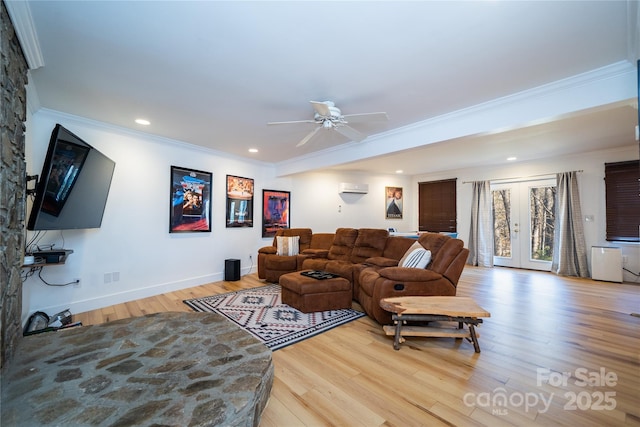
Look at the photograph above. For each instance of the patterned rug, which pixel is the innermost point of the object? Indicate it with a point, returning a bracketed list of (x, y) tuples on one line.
[(261, 312)]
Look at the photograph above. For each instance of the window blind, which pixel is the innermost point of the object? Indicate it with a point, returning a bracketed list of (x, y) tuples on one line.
[(622, 187)]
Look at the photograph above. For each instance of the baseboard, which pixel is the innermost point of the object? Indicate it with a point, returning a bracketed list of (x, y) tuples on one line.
[(121, 297)]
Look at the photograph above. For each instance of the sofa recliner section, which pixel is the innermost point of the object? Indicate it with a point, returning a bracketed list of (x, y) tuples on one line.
[(440, 278), (271, 265)]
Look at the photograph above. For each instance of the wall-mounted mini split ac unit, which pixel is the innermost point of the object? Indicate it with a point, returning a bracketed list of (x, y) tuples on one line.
[(353, 188)]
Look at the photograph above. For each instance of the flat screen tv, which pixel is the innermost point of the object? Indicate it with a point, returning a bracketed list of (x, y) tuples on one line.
[(73, 186)]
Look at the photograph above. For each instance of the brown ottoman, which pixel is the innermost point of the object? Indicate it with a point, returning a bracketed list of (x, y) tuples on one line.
[(308, 294)]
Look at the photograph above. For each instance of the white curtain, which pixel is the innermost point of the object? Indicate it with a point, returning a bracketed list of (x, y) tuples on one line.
[(569, 247), (481, 233)]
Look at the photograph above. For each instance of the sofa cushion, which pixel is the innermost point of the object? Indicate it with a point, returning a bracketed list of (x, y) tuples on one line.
[(416, 257), (433, 241), (288, 246), (281, 263), (314, 263), (370, 243), (322, 240), (343, 242), (397, 246)]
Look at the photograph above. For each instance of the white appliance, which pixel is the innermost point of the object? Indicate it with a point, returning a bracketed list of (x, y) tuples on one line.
[(346, 187), (606, 263)]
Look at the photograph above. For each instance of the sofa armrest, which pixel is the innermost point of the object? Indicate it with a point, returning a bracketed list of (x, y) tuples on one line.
[(268, 250), (406, 274), (316, 253), (381, 262)]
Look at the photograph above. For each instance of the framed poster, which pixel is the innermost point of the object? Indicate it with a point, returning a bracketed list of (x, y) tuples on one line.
[(275, 211), (190, 200), (239, 201), (393, 204)]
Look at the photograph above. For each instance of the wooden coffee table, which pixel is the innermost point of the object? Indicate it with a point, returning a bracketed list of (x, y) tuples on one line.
[(427, 309)]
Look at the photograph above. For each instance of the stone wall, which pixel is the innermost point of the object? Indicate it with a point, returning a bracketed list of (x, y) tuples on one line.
[(13, 107)]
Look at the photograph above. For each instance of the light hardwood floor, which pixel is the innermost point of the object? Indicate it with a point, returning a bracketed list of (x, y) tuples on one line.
[(559, 351)]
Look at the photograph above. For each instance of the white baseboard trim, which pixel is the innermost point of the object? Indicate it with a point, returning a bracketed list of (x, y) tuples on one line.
[(121, 297)]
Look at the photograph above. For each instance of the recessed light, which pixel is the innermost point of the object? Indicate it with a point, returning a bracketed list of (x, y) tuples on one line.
[(143, 122), (511, 158), (253, 150), (399, 171)]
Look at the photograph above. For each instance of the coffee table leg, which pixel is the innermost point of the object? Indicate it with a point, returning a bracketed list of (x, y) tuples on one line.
[(396, 340), (474, 338)]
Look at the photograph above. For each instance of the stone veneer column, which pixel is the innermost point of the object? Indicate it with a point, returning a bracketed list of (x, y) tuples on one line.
[(13, 107)]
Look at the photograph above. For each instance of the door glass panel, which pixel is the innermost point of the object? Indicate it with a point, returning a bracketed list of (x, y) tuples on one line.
[(502, 222), (542, 215)]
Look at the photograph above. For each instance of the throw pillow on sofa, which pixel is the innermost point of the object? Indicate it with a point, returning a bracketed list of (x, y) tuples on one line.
[(415, 257), (288, 246)]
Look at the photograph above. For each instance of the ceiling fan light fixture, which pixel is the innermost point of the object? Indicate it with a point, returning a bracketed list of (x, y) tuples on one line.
[(328, 116)]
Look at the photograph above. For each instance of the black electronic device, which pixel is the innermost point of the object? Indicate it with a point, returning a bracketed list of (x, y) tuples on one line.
[(73, 187), (231, 270), (52, 256), (319, 274)]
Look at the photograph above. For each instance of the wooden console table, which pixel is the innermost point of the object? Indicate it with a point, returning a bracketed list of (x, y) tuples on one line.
[(427, 309)]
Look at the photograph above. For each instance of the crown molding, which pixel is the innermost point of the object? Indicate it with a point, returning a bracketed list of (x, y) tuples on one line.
[(614, 83), (20, 14)]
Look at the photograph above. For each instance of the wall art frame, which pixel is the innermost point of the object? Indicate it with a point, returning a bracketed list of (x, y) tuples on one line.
[(393, 202), (276, 211), (190, 200), (240, 191)]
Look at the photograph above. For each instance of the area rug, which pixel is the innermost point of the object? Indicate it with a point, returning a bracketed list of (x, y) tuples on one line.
[(260, 311)]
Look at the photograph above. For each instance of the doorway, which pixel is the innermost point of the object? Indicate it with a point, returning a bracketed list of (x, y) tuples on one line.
[(524, 223)]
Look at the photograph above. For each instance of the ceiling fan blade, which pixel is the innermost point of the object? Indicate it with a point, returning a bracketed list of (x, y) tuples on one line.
[(291, 122), (366, 117), (350, 133), (309, 136), (321, 108)]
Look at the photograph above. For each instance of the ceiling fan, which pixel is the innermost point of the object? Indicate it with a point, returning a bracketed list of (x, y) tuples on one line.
[(328, 116)]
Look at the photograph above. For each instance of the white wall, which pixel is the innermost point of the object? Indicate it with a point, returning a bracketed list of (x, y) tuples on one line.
[(134, 240), (590, 183), (316, 203)]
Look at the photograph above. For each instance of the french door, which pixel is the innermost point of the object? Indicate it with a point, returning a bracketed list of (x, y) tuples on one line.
[(524, 224)]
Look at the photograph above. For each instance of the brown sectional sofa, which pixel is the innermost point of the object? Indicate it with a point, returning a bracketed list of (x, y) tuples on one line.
[(369, 258)]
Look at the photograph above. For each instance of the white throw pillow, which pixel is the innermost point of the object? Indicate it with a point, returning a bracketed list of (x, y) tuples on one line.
[(415, 257), (288, 245)]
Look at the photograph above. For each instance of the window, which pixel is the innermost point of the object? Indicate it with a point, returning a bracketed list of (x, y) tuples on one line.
[(437, 206), (622, 187)]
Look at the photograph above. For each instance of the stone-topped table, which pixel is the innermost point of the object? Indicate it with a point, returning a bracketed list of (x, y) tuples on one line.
[(170, 369)]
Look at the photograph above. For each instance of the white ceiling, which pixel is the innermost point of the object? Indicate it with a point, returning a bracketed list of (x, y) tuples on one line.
[(213, 73)]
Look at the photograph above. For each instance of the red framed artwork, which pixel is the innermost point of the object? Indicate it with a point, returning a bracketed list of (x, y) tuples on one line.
[(275, 211)]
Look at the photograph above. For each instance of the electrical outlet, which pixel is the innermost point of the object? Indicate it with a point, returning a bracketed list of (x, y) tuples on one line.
[(76, 283), (250, 257)]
